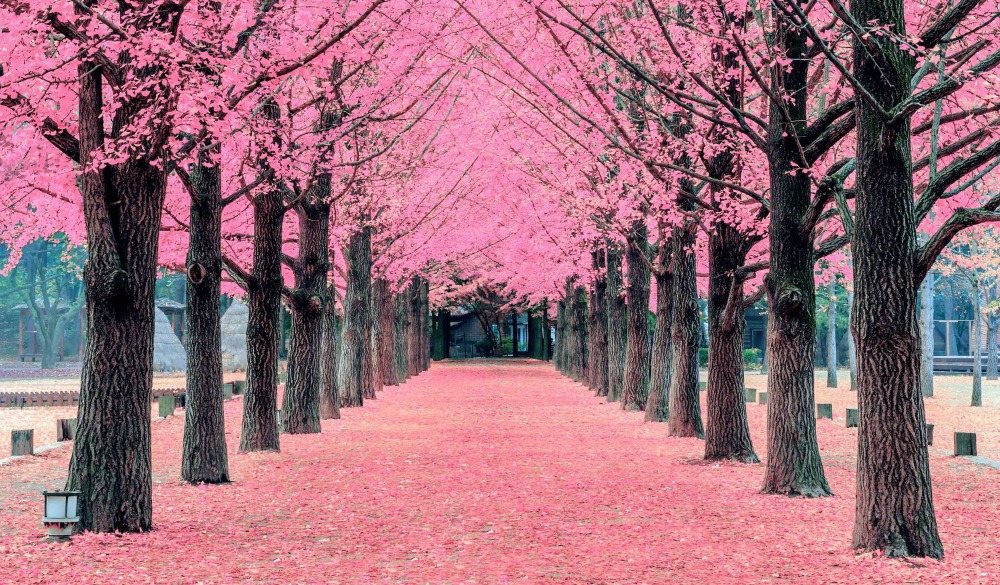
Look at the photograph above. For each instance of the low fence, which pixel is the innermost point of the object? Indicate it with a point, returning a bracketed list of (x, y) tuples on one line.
[(64, 398)]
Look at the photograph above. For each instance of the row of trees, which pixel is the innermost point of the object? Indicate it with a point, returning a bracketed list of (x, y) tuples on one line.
[(580, 151)]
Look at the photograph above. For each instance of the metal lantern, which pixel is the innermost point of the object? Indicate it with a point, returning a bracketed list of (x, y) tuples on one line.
[(62, 512)]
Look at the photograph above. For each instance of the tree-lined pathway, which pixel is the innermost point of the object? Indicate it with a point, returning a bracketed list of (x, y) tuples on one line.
[(489, 472)]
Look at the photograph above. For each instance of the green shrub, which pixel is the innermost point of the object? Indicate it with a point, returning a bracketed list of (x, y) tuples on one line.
[(751, 357), (703, 357)]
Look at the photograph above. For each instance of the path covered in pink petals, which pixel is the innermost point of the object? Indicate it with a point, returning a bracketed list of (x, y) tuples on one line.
[(490, 472)]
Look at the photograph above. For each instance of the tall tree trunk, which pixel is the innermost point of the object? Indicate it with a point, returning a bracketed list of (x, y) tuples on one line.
[(415, 359), (561, 328), (895, 509), (617, 326), (329, 399), (401, 323), (300, 406), (597, 352), (685, 399), (831, 336), (442, 335), (635, 383), (977, 340), (110, 465), (425, 315), (794, 466), (658, 402), (927, 336), (203, 457), (260, 426), (579, 335), (992, 323), (852, 350), (727, 434), (356, 342), (385, 307)]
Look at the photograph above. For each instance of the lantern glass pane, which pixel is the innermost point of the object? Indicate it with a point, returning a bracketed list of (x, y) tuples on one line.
[(55, 506), (71, 507)]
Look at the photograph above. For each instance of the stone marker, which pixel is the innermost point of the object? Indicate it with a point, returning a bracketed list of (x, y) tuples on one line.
[(167, 404), (762, 397), (930, 435), (852, 418), (65, 429), (824, 411), (750, 394), (22, 443), (702, 386), (965, 444), (227, 390)]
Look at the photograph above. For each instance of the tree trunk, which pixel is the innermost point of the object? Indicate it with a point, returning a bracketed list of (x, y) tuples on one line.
[(579, 335), (852, 350), (329, 400), (657, 404), (927, 336), (831, 336), (895, 510), (685, 399), (110, 465), (727, 434), (977, 340), (204, 458), (635, 382), (260, 427), (794, 466), (425, 314), (442, 335), (559, 357), (385, 307), (300, 407), (597, 352), (992, 323), (617, 326), (356, 342), (415, 340), (402, 325)]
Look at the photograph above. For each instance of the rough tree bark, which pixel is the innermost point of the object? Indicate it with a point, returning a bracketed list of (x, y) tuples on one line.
[(260, 426), (122, 205), (597, 352), (356, 341), (415, 337), (852, 350), (425, 315), (794, 466), (635, 380), (578, 335), (329, 399), (385, 307), (203, 456), (401, 322), (300, 406), (894, 509), (658, 402), (685, 399), (727, 434), (992, 325), (617, 326)]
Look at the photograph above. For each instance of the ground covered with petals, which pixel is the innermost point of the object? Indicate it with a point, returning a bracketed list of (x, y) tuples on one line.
[(492, 472)]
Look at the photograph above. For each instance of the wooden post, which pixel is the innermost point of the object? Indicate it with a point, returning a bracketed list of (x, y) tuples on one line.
[(824, 411), (965, 444), (180, 400), (750, 394), (930, 435), (852, 418), (762, 398), (167, 404), (22, 443), (65, 429)]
